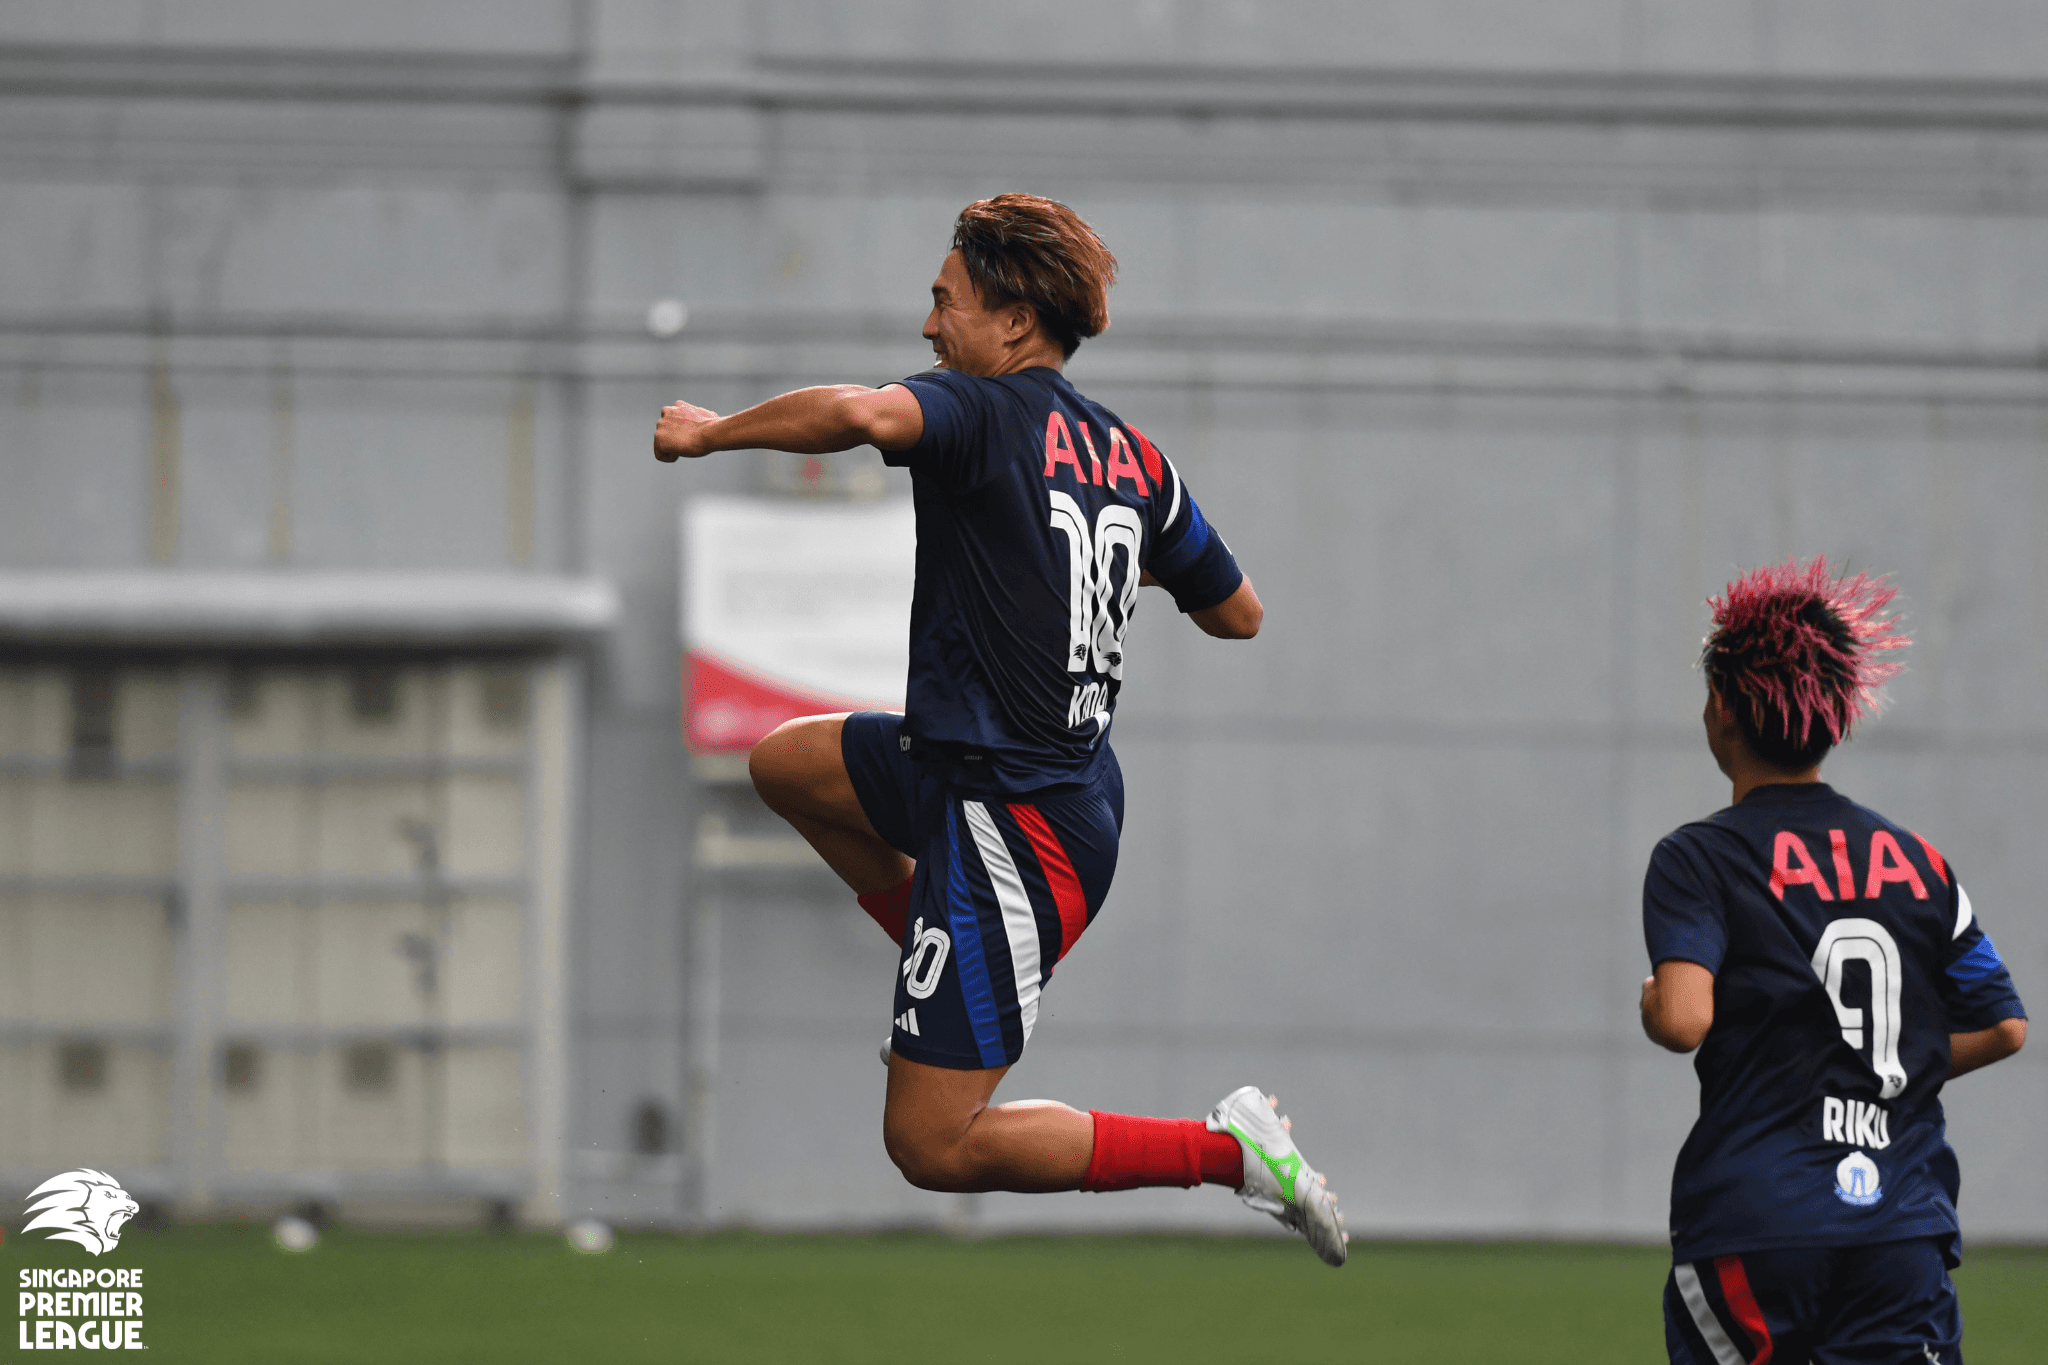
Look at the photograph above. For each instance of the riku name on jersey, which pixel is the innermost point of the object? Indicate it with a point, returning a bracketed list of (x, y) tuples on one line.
[(1793, 865), (1060, 450), (1856, 1122)]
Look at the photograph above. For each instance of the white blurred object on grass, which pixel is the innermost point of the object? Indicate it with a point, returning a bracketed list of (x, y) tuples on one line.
[(294, 1233), (589, 1236)]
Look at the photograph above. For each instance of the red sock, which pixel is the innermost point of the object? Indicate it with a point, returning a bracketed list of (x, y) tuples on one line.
[(890, 909), (1132, 1151)]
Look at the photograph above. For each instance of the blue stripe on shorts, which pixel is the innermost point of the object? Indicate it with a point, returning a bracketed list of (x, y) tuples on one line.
[(973, 968)]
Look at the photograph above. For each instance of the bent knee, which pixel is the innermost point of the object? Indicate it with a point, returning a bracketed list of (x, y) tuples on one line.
[(798, 759), (935, 1172), (928, 1163), (775, 759)]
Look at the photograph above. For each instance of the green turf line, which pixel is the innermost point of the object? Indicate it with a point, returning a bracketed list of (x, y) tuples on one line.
[(224, 1295)]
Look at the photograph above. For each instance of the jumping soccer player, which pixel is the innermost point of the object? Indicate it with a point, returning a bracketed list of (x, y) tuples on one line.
[(1829, 967), (980, 828)]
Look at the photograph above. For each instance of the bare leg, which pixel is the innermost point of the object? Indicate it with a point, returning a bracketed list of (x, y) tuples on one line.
[(801, 773), (942, 1134)]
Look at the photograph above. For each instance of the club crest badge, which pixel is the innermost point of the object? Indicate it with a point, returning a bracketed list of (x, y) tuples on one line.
[(1856, 1181)]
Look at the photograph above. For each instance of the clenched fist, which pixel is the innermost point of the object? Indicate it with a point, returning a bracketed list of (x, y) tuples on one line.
[(680, 432)]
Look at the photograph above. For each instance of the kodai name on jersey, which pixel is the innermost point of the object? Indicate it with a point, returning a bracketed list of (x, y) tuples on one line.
[(1038, 514), (1844, 954)]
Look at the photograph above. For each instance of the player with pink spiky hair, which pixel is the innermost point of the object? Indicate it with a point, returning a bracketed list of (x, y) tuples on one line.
[(1829, 968), (1792, 643)]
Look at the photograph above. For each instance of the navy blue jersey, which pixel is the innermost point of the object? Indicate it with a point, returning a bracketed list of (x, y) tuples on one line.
[(1844, 953), (1037, 512)]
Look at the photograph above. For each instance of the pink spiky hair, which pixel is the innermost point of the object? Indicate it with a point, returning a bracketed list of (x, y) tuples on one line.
[(1796, 640)]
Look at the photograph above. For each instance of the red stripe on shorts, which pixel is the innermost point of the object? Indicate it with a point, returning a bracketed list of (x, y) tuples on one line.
[(1059, 875), (1742, 1303)]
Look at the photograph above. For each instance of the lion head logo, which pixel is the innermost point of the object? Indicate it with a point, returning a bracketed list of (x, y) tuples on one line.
[(84, 1206)]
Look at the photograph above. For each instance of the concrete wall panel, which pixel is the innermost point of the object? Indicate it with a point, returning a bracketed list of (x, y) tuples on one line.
[(402, 473), (518, 27), (445, 254), (77, 448), (76, 246)]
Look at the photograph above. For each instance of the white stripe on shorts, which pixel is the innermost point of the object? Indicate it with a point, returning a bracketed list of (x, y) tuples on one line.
[(1020, 924), (1703, 1316)]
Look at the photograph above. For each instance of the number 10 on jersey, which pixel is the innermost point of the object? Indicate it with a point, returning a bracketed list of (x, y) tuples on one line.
[(1098, 606)]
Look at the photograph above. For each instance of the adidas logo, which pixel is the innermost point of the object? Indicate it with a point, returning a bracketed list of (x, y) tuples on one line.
[(907, 1021)]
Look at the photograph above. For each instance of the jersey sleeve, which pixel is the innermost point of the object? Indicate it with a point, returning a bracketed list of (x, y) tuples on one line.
[(953, 451), (1976, 988), (1683, 920), (1187, 557)]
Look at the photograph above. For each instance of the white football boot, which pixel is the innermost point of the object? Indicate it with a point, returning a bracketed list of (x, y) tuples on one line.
[(1276, 1179)]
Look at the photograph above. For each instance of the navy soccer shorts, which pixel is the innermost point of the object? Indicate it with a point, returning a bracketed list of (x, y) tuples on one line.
[(1004, 887), (1887, 1304)]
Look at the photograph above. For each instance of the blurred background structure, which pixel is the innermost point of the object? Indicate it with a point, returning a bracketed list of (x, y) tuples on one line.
[(349, 851)]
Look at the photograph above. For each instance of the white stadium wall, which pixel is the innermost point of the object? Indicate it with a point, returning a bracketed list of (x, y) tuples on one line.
[(1494, 337)]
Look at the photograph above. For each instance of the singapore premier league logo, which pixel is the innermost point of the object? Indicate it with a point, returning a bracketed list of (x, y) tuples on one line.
[(84, 1206), (72, 1307)]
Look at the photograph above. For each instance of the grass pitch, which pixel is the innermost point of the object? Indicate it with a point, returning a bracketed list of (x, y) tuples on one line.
[(225, 1294)]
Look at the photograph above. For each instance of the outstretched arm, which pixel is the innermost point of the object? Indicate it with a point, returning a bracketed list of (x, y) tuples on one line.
[(807, 422)]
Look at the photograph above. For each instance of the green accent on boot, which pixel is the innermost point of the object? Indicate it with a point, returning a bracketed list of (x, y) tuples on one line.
[(1284, 1170)]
